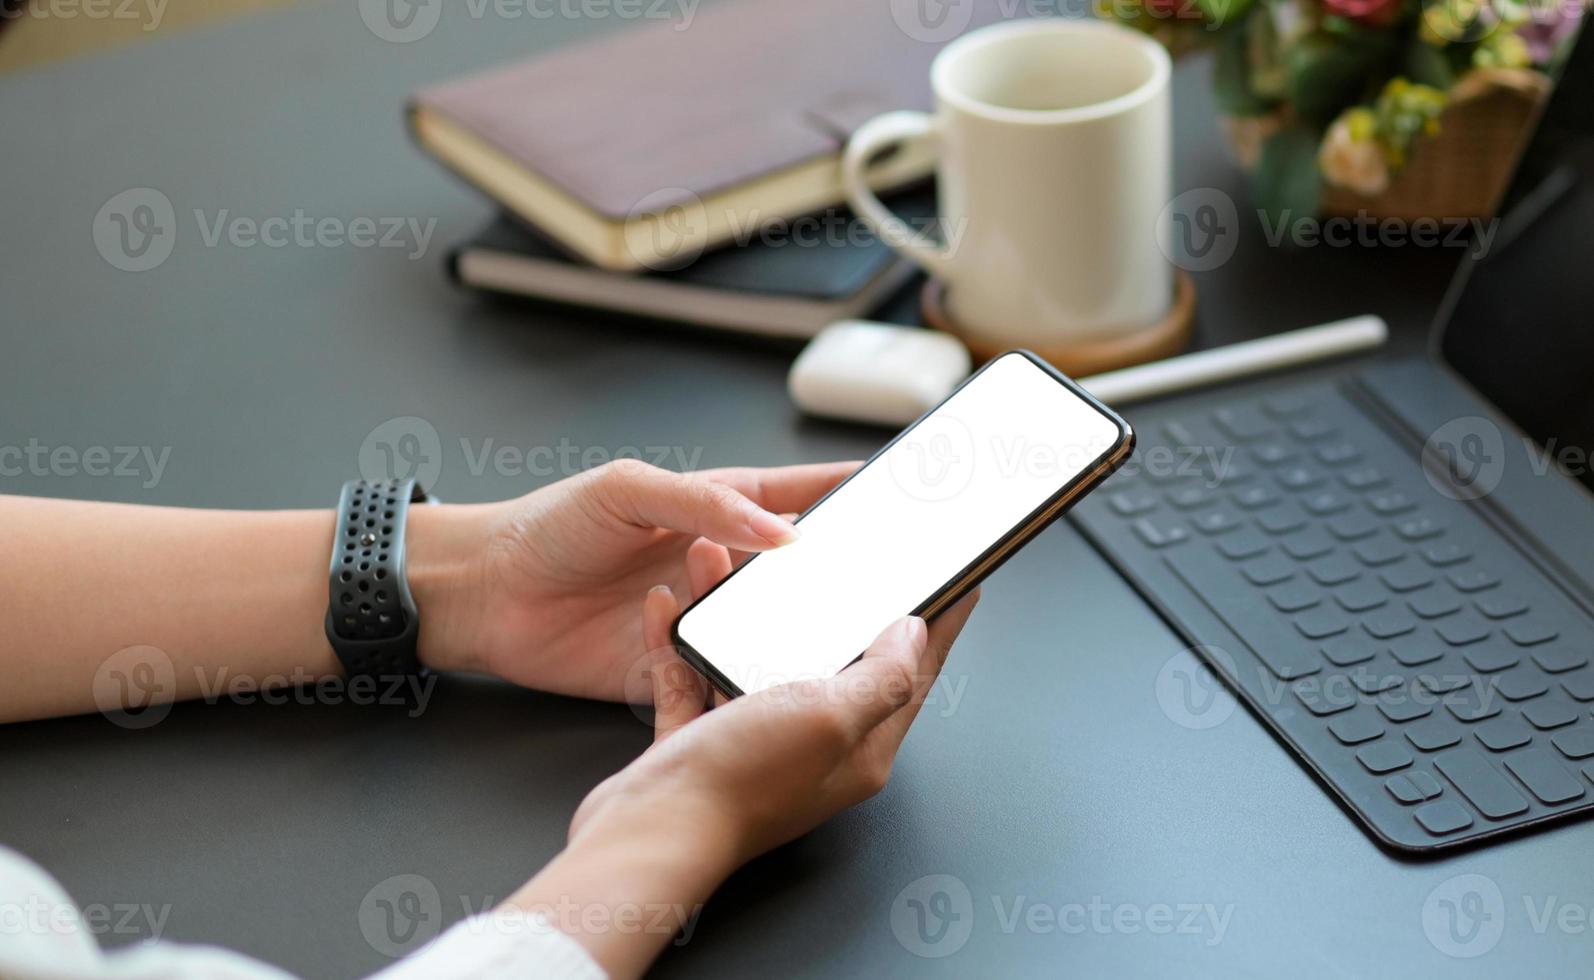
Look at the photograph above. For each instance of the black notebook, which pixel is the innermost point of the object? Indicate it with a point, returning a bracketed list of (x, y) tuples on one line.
[(790, 280)]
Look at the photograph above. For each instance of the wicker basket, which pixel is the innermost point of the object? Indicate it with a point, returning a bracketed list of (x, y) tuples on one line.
[(1458, 173)]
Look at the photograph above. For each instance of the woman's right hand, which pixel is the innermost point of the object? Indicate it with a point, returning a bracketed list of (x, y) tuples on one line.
[(766, 768), (722, 785)]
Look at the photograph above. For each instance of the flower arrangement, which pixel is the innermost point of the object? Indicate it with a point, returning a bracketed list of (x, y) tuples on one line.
[(1331, 102)]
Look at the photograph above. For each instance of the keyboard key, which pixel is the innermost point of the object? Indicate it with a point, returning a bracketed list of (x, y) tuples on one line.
[(1321, 623), (1298, 478), (1132, 503), (1433, 734), (1327, 502), (1333, 570), (1311, 430), (1443, 817), (1282, 519), (1446, 554), (1416, 649), (1292, 597), (1558, 659), (1481, 784), (1463, 630), (1352, 527), (1500, 734), (1406, 576), (1379, 551), (1190, 498), (1267, 570), (1403, 704), (1545, 715), (1442, 683), (1544, 777), (1473, 703), (1413, 787), (1473, 580), (1576, 744), (1386, 624), (1373, 682), (1246, 544), (1274, 642), (1240, 423), (1215, 521), (1527, 633), (1308, 544), (1345, 651), (1322, 698), (1159, 535), (1359, 597), (1502, 605), (1419, 529), (1434, 603), (1580, 686), (1272, 453), (1488, 660), (1520, 685), (1286, 405), (1364, 478), (1338, 454), (1382, 757), (1391, 503), (1356, 729), (1255, 498)]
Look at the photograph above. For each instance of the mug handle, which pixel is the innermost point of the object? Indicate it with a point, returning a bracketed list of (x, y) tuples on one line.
[(877, 134)]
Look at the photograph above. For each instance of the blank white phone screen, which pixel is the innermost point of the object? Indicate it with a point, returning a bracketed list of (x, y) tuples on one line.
[(901, 528)]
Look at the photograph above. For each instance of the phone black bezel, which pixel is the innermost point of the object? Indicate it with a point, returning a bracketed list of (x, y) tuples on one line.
[(971, 574)]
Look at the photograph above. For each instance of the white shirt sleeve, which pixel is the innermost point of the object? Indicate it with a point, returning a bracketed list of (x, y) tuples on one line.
[(43, 936)]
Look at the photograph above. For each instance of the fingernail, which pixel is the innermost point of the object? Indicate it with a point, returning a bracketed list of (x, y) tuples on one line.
[(658, 588), (772, 529), (915, 632)]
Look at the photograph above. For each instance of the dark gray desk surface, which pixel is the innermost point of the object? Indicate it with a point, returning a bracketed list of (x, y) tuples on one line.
[(1057, 779)]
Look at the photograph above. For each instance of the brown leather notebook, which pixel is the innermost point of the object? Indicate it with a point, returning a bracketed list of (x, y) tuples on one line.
[(642, 148)]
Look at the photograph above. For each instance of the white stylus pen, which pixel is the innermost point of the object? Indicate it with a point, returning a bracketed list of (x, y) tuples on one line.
[(1244, 359)]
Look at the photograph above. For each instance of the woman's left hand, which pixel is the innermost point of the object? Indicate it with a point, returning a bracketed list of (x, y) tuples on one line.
[(544, 590)]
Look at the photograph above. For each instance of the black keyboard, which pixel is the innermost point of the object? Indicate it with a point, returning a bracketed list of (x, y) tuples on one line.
[(1430, 674)]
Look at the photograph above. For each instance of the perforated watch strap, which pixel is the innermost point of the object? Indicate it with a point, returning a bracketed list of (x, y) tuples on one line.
[(371, 618)]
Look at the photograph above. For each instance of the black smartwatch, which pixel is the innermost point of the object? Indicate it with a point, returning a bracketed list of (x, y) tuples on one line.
[(371, 619)]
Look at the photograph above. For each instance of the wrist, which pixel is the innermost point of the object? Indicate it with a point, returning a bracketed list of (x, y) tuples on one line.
[(443, 547)]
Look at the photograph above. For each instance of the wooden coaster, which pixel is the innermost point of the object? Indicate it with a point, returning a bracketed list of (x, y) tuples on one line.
[(1166, 338)]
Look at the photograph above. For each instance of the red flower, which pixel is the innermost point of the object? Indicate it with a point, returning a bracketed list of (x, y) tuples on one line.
[(1373, 13)]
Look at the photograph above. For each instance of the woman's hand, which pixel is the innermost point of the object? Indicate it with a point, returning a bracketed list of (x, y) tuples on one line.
[(765, 768), (542, 590), (722, 786)]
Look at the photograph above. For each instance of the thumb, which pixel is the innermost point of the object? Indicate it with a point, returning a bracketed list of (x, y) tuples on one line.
[(881, 682), (647, 496)]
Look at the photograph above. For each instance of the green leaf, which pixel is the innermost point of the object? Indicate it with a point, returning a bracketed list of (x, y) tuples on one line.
[(1231, 75), (1328, 75), (1287, 184), (1223, 12), (1427, 65)]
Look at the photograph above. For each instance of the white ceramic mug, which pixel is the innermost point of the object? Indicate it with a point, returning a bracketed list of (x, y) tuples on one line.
[(1053, 141)]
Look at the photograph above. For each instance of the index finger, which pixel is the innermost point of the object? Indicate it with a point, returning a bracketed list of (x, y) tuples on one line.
[(783, 488)]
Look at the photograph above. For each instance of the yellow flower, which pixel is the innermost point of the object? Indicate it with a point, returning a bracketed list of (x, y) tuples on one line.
[(1350, 162)]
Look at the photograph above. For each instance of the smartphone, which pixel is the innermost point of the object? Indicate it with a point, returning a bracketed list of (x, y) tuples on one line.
[(912, 531)]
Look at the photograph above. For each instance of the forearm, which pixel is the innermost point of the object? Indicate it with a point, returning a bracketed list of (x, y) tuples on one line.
[(231, 598), (627, 889)]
